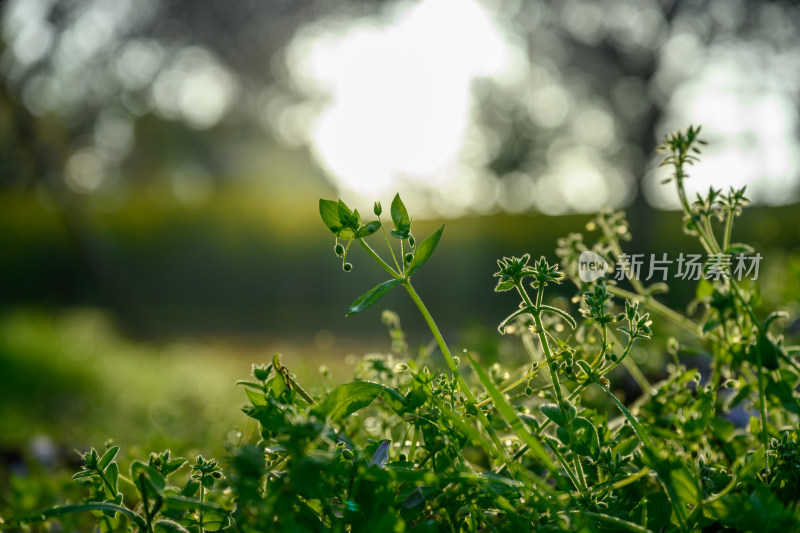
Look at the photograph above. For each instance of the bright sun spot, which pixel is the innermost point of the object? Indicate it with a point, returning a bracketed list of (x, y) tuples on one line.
[(397, 96)]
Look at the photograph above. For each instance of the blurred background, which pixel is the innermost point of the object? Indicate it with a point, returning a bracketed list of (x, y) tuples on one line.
[(161, 162)]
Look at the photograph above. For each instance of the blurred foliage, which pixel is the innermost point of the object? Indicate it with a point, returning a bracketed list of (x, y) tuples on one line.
[(165, 271)]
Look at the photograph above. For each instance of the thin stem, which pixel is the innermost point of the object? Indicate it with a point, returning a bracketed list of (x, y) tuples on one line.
[(726, 236), (638, 376), (378, 259), (762, 401), (618, 523), (579, 471), (565, 465), (762, 407), (107, 484), (657, 307), (712, 239), (403, 256), (448, 357), (544, 342), (614, 242), (451, 364), (512, 386), (391, 250), (202, 499), (574, 394)]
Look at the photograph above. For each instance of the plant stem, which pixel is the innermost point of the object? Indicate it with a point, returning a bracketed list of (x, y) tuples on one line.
[(637, 427), (762, 407), (202, 500), (726, 237), (544, 342), (579, 471), (618, 523), (391, 250), (512, 386), (451, 364), (657, 307), (574, 394), (637, 376), (762, 401), (565, 465), (378, 259), (615, 247)]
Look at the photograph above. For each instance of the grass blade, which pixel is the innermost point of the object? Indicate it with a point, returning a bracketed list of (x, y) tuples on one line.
[(511, 416)]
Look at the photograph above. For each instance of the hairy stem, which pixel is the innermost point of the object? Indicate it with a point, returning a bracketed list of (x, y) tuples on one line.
[(537, 319)]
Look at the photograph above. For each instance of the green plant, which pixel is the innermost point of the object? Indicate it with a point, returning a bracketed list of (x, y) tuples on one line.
[(159, 506), (550, 445)]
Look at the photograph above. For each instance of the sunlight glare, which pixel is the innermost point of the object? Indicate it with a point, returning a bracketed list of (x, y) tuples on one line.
[(397, 97)]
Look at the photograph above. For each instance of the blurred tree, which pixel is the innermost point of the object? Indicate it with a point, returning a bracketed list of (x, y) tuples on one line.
[(601, 86), (102, 96)]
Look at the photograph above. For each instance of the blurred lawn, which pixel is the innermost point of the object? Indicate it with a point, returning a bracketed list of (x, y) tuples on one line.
[(72, 378)]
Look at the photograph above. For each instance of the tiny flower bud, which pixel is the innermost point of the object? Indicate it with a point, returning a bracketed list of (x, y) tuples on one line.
[(411, 241), (377, 209), (338, 249), (347, 267), (409, 257), (260, 372)]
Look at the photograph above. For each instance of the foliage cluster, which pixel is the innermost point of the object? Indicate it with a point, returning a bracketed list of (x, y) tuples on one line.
[(508, 449)]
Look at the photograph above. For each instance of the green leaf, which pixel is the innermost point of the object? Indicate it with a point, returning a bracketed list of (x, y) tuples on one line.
[(339, 219), (511, 415), (739, 248), (637, 427), (399, 214), (215, 521), (704, 289), (107, 458), (655, 506), (563, 314), (256, 398), (769, 352), (117, 500), (80, 508), (329, 212), (141, 472), (424, 251), (175, 464), (586, 367), (503, 286), (191, 488), (182, 503), (112, 475), (685, 486), (168, 526), (84, 473), (252, 384), (371, 296), (551, 411), (348, 398), (368, 229), (584, 439), (773, 316)]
